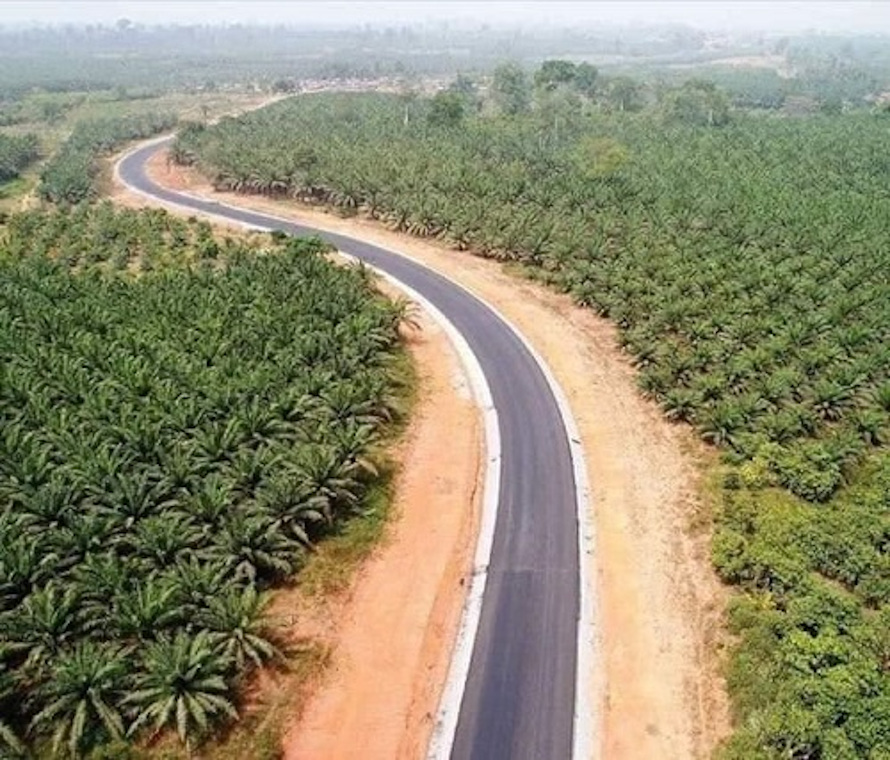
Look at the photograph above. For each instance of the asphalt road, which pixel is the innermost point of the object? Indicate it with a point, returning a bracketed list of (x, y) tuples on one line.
[(519, 698)]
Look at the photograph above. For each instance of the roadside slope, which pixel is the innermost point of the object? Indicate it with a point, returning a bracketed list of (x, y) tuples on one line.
[(661, 689)]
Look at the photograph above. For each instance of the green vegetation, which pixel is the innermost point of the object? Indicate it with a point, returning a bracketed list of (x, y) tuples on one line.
[(742, 255), (135, 60), (70, 176), (16, 153), (50, 118), (136, 57), (183, 419), (744, 259), (101, 237)]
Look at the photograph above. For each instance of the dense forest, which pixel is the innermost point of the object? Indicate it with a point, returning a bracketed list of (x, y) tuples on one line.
[(744, 258), (181, 419)]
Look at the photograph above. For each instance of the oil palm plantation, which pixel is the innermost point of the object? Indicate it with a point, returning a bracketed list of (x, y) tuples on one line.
[(743, 260), (168, 449)]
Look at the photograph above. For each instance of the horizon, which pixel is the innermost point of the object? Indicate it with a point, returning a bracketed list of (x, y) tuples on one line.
[(744, 16)]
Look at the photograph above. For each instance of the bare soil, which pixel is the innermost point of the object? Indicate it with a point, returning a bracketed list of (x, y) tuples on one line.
[(659, 690), (391, 634)]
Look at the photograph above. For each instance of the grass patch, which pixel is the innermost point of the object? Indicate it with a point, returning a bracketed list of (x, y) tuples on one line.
[(332, 566), (13, 191)]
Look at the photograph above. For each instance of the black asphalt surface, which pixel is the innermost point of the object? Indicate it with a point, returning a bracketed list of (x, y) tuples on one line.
[(519, 698)]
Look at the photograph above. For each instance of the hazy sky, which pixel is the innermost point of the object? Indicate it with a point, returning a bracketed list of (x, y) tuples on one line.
[(712, 14)]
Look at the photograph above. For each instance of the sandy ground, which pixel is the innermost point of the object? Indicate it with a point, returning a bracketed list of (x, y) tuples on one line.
[(777, 63), (659, 691)]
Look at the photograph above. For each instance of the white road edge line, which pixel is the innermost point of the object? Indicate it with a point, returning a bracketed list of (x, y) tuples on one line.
[(588, 675), (445, 728)]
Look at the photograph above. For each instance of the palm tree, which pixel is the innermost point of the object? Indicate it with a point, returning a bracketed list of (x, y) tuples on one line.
[(144, 610), (872, 426), (43, 624), (10, 744), (50, 504), (720, 423), (211, 503), (330, 477), (164, 538), (295, 505), (199, 581), (354, 442), (26, 468), (133, 496), (81, 697), (235, 622), (181, 683), (26, 562), (253, 549), (681, 404), (248, 469), (830, 398), (87, 533)]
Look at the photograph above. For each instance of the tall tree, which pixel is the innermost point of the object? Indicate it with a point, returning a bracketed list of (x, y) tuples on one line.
[(510, 88), (697, 102), (624, 93), (554, 73), (446, 109), (586, 79)]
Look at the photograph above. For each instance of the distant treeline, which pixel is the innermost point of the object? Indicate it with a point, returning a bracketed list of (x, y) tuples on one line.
[(76, 59)]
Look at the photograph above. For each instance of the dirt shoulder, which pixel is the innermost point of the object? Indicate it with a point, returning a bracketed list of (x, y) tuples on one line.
[(660, 692), (390, 636)]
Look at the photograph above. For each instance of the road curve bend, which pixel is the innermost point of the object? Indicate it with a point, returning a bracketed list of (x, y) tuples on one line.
[(521, 694)]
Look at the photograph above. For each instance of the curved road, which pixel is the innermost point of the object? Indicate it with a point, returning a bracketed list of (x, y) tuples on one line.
[(519, 697)]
